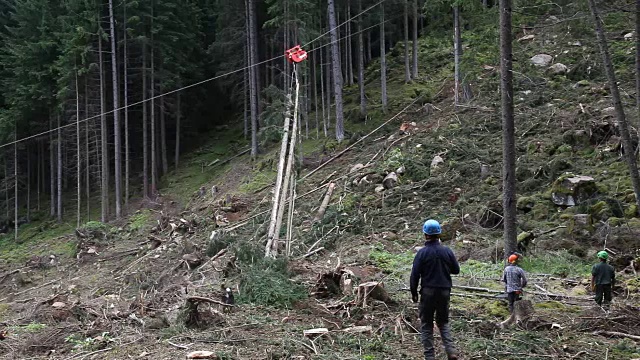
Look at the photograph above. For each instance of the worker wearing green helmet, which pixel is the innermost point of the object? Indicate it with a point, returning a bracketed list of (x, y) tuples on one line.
[(603, 277)]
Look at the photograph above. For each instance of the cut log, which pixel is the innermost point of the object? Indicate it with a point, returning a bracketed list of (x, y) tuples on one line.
[(359, 329), (192, 260), (325, 203), (390, 180), (371, 290), (311, 333), (202, 355)]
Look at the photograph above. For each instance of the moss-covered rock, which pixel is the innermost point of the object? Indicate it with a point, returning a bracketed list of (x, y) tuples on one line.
[(614, 221), (525, 203), (601, 211), (631, 211), (570, 190), (524, 241), (577, 138), (450, 228), (580, 225)]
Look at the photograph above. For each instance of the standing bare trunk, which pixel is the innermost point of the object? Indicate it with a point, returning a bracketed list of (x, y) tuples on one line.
[(78, 155), (6, 185), (28, 184), (349, 49), (307, 102), (86, 147), (407, 66), (414, 73), (38, 171), (314, 87), (145, 130), (322, 96), (52, 172), (154, 157), (272, 235), (116, 113), (328, 90), (253, 85), (638, 64), (163, 137), (59, 171), (125, 82), (617, 103), (288, 173), (245, 102), (508, 129), (363, 96), (337, 76), (369, 56), (176, 159), (104, 176), (457, 53), (15, 184), (383, 61)]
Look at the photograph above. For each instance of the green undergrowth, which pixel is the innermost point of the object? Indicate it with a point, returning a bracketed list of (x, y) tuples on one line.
[(34, 240), (200, 166), (263, 281), (141, 220), (268, 282), (558, 263), (391, 263)]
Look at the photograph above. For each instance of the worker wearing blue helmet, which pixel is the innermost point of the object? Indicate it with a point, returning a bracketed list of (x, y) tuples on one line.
[(432, 269)]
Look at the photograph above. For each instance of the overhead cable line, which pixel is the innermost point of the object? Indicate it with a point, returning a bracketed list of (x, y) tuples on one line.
[(46, 132)]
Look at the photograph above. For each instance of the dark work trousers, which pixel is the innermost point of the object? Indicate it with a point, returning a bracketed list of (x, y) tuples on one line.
[(435, 301), (512, 297), (603, 291)]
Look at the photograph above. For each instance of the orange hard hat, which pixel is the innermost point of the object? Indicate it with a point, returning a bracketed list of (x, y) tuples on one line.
[(513, 258)]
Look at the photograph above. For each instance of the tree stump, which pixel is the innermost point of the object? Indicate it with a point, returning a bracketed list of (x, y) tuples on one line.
[(522, 312), (202, 319), (371, 290)]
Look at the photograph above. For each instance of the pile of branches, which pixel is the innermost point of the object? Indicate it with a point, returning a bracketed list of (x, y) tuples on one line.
[(622, 321)]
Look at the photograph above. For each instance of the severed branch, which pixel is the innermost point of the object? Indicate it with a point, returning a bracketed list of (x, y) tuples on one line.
[(617, 334), (313, 252), (325, 203), (197, 299)]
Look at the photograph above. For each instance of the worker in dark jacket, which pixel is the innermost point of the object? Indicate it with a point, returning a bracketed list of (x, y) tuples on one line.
[(603, 277), (432, 268)]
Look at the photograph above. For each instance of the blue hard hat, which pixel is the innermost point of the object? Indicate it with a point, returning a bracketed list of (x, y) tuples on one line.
[(431, 227)]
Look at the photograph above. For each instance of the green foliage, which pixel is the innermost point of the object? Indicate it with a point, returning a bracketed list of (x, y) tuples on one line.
[(96, 226), (267, 282), (256, 181), (481, 269), (33, 327), (140, 220), (391, 263), (394, 159), (560, 263), (80, 343), (219, 243)]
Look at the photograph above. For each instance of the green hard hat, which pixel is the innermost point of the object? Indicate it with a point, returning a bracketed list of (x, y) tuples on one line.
[(603, 255)]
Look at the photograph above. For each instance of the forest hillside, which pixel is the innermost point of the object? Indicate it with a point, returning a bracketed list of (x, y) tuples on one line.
[(143, 148)]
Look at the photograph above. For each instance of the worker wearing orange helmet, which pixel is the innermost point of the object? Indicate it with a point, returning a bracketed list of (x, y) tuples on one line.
[(515, 279)]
